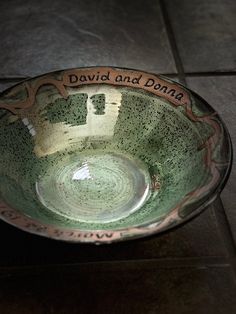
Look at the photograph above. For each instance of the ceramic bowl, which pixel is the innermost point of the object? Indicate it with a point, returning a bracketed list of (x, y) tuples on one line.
[(106, 154)]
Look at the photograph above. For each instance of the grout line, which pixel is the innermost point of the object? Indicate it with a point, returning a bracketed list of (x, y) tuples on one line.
[(224, 227), (189, 74), (173, 44), (196, 74), (12, 79), (225, 232), (164, 263)]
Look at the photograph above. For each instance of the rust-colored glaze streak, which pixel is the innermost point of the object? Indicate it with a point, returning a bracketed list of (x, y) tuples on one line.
[(31, 92), (209, 145), (155, 183)]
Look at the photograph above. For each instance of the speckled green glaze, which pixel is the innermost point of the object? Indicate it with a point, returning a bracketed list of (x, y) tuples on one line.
[(107, 157)]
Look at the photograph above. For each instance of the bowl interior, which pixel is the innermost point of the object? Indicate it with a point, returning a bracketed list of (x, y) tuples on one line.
[(105, 157)]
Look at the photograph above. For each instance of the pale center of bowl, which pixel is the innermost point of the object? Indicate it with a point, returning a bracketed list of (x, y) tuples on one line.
[(95, 188)]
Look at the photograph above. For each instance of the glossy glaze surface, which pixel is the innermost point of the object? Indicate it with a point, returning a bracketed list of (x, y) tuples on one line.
[(105, 154)]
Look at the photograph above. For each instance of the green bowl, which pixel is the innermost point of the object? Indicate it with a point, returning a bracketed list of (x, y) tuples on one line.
[(106, 154)]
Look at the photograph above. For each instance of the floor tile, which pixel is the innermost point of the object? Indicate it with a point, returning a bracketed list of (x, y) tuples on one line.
[(205, 33), (38, 37), (128, 288)]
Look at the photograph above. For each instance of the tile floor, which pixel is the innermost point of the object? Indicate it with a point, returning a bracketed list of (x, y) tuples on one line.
[(188, 270)]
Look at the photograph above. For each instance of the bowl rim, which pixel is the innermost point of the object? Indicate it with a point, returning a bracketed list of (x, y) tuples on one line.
[(117, 234)]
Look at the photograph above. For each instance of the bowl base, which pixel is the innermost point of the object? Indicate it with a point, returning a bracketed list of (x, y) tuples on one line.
[(95, 187)]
